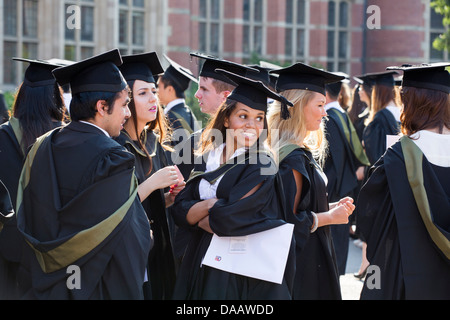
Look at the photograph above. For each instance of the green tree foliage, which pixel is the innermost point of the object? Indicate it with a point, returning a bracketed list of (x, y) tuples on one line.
[(442, 7)]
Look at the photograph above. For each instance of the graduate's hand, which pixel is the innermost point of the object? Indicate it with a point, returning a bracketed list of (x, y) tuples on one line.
[(177, 188), (164, 177), (342, 211), (360, 173)]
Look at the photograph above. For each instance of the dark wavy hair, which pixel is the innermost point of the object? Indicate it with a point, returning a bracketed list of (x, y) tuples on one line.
[(36, 109), (424, 109)]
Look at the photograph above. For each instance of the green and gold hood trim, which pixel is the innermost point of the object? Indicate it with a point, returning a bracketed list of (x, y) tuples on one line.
[(73, 247), (413, 162)]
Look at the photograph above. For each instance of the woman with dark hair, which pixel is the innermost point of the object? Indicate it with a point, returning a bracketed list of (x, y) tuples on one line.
[(37, 109), (384, 115), (146, 135), (234, 191), (403, 208)]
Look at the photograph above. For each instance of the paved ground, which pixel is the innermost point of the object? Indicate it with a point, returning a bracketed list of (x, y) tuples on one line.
[(351, 286)]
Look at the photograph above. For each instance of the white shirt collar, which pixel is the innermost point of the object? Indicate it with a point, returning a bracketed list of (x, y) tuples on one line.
[(215, 157), (172, 104), (431, 144), (334, 104), (94, 125)]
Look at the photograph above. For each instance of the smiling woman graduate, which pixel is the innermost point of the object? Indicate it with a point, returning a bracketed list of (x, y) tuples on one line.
[(404, 207), (233, 192)]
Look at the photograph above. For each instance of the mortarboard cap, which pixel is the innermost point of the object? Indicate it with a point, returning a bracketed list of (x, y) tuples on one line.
[(39, 72), (143, 67), (302, 76), (253, 93), (262, 74), (179, 74), (335, 87), (363, 79), (212, 63), (269, 67), (384, 78), (431, 76), (99, 73)]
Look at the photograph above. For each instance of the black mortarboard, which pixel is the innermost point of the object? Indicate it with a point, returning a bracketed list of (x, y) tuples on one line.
[(99, 73), (335, 87), (365, 80), (212, 63), (262, 75), (302, 76), (384, 78), (179, 74), (269, 67), (144, 66), (39, 72), (431, 76), (254, 93)]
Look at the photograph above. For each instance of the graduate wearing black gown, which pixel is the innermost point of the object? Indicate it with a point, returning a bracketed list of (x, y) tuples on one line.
[(233, 213), (78, 207), (304, 182), (151, 156), (184, 152), (345, 155), (403, 209), (37, 109), (381, 121)]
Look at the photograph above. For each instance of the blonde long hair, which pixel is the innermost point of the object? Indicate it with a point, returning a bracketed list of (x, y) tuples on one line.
[(293, 130)]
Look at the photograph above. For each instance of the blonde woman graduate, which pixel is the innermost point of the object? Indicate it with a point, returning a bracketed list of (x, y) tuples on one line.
[(301, 149)]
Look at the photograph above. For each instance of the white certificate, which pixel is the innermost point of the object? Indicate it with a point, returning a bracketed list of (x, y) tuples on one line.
[(261, 255)]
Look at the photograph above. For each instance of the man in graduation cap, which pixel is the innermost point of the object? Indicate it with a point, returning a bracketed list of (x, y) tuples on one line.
[(404, 206), (344, 158), (171, 87), (88, 236)]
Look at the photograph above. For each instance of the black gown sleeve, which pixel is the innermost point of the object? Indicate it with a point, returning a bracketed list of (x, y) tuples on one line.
[(302, 218)]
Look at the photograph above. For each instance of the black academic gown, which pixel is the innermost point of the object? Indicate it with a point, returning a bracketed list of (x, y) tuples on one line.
[(409, 263), (181, 117), (161, 262), (12, 157), (78, 208), (185, 161), (374, 135), (232, 216), (340, 168), (316, 269), (6, 207)]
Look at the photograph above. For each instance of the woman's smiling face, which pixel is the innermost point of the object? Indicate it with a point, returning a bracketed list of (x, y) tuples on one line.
[(245, 125)]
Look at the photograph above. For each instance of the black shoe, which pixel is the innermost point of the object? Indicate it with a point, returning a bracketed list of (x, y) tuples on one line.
[(360, 275)]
